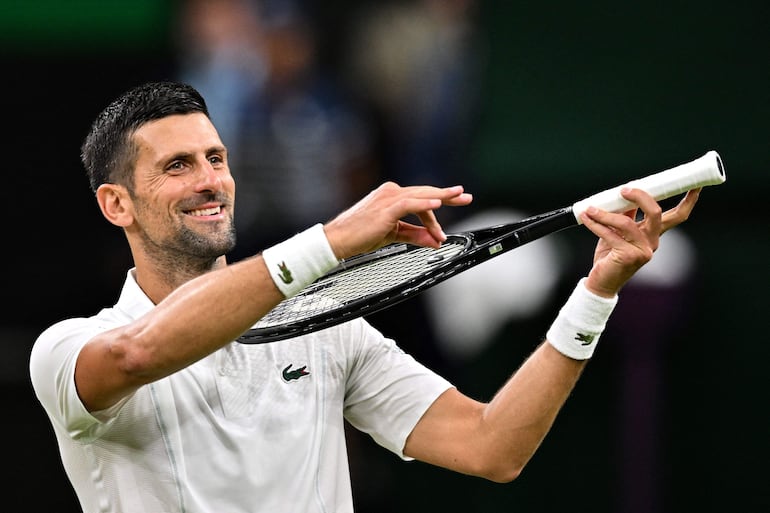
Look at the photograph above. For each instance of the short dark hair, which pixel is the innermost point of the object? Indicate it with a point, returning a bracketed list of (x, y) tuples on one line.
[(108, 152)]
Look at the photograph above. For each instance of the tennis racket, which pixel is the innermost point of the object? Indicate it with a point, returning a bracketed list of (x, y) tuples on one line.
[(374, 281)]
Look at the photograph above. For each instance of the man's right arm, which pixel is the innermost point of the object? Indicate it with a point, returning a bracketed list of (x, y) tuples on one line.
[(194, 320), (212, 310)]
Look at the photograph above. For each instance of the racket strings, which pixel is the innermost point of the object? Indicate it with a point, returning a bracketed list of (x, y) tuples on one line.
[(336, 290)]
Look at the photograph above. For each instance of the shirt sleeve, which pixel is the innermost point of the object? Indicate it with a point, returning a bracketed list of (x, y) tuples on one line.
[(388, 391), (52, 371)]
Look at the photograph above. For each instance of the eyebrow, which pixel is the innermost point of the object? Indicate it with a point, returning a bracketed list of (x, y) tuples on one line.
[(186, 155), (216, 149)]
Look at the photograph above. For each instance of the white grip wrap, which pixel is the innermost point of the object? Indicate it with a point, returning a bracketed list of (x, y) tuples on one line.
[(297, 262), (575, 331), (703, 171)]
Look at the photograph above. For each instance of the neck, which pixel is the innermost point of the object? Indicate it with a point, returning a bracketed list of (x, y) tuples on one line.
[(158, 280)]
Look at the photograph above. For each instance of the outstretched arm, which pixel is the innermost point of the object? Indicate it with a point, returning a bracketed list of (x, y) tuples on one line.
[(495, 440), (212, 310)]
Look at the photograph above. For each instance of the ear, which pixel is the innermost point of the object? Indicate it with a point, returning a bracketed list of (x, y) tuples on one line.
[(115, 204)]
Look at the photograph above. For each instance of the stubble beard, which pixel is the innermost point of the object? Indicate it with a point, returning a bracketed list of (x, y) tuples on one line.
[(190, 252), (203, 247)]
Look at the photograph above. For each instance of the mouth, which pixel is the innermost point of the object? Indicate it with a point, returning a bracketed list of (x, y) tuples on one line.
[(202, 212)]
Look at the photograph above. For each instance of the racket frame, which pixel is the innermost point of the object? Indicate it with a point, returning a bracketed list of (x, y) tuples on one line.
[(477, 247), (480, 245)]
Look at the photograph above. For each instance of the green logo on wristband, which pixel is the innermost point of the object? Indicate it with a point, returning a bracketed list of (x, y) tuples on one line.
[(285, 275), (585, 339)]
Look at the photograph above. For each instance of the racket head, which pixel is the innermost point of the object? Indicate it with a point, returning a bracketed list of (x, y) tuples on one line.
[(374, 281), (361, 286)]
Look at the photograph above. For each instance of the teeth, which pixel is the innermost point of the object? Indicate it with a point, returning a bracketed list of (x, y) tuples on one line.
[(205, 211)]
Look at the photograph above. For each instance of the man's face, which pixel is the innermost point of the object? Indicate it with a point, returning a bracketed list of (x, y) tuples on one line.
[(183, 191)]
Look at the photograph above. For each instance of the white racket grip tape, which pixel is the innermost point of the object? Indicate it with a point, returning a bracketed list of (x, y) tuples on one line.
[(297, 262), (575, 331), (703, 171)]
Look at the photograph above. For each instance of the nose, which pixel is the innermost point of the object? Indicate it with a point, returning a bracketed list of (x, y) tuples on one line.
[(209, 177)]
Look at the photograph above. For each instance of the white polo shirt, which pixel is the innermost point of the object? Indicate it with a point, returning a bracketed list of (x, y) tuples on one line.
[(250, 428)]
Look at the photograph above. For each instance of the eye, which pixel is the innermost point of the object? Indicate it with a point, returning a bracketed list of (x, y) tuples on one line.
[(216, 159), (176, 167)]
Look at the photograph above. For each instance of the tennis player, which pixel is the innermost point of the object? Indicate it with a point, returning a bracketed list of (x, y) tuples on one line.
[(156, 408)]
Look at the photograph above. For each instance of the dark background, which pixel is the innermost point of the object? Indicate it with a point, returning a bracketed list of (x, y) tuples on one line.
[(575, 97)]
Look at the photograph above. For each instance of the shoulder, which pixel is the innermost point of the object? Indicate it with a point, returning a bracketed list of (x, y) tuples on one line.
[(67, 330), (71, 330), (62, 332), (354, 337), (57, 347)]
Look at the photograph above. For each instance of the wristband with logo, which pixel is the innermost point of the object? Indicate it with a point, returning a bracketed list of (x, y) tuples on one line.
[(575, 331), (297, 262)]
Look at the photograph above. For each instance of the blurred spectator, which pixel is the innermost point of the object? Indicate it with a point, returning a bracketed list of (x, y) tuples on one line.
[(418, 63), (220, 52), (298, 148)]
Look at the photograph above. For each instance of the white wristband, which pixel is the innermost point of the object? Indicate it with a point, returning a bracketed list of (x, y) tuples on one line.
[(576, 330), (299, 261)]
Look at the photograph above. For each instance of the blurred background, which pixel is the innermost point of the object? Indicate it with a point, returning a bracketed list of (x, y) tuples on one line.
[(531, 105)]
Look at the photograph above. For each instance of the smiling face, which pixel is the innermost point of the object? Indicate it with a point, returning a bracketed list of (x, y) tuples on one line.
[(180, 208)]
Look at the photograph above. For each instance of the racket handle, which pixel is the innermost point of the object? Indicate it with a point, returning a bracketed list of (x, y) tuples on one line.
[(703, 171)]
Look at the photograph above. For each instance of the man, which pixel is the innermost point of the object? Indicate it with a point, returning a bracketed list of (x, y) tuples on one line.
[(156, 408)]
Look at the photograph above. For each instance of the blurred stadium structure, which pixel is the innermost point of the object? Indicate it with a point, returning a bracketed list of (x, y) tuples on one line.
[(561, 100)]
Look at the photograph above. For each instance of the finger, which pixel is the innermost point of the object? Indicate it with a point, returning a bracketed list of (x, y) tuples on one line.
[(460, 200), (404, 206), (450, 196), (649, 206), (428, 191), (417, 199), (430, 222), (682, 211), (422, 201), (607, 226), (619, 230), (417, 235), (433, 227)]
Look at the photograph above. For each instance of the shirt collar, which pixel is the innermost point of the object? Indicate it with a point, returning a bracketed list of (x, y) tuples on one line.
[(133, 300)]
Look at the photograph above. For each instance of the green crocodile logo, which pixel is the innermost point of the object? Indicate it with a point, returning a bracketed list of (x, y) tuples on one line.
[(285, 274), (585, 339), (289, 375)]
